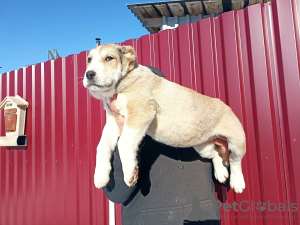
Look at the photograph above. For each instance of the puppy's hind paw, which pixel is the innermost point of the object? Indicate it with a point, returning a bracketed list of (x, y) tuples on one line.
[(237, 182), (221, 173)]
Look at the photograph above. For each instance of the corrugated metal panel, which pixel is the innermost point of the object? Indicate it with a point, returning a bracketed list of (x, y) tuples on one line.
[(51, 181), (249, 59)]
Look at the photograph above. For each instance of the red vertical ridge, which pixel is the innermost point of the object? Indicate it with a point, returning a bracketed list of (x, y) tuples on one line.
[(59, 151), (69, 193), (196, 64), (214, 56), (64, 139), (20, 155), (296, 20), (76, 118), (156, 50), (90, 139), (33, 156), (38, 162), (47, 143), (13, 155), (83, 145), (193, 62), (43, 143), (105, 206), (176, 56), (200, 80), (29, 206), (24, 155), (53, 139), (152, 46)]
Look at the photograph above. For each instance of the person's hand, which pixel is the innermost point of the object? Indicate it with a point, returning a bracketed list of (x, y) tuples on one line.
[(118, 117), (222, 147)]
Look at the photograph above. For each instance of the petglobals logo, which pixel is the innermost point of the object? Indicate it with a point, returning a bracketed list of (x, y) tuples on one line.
[(246, 206)]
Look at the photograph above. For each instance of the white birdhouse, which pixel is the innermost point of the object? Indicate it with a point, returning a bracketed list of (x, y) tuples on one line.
[(14, 117)]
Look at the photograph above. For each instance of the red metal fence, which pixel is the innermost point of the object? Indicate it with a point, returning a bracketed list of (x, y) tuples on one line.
[(250, 59)]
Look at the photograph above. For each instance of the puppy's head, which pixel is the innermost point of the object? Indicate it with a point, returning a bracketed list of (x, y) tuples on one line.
[(106, 65)]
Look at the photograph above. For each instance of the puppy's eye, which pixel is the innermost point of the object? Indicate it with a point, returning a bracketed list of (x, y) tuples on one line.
[(89, 60), (109, 58)]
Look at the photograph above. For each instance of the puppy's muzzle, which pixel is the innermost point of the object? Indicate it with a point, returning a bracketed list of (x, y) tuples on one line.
[(90, 75)]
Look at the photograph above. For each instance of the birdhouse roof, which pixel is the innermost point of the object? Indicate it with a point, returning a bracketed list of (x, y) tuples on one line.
[(16, 99)]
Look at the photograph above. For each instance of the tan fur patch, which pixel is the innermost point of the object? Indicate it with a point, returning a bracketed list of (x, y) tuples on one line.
[(140, 113)]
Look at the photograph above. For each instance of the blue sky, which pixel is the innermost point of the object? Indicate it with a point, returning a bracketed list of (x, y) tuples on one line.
[(29, 28)]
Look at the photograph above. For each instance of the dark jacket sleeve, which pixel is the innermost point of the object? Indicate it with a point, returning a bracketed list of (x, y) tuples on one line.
[(116, 190)]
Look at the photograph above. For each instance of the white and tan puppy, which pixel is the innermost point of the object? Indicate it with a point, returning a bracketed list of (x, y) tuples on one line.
[(169, 113)]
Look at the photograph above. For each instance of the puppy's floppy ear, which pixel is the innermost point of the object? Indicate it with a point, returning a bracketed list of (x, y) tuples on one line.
[(129, 52), (128, 58)]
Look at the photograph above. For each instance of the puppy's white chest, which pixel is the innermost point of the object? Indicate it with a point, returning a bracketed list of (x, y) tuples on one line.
[(121, 104)]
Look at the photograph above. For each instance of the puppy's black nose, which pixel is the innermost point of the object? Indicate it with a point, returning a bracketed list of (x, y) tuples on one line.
[(90, 75)]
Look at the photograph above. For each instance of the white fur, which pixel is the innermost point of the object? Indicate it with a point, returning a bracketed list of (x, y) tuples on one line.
[(106, 146), (221, 172), (128, 148), (121, 104)]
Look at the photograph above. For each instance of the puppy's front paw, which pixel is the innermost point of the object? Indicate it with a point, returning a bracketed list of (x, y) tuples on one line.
[(237, 182), (131, 177), (101, 179)]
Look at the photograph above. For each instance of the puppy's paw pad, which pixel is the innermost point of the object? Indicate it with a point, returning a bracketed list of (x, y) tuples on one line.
[(221, 174), (133, 178)]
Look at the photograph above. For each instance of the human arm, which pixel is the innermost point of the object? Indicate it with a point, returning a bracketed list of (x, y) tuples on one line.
[(222, 147)]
